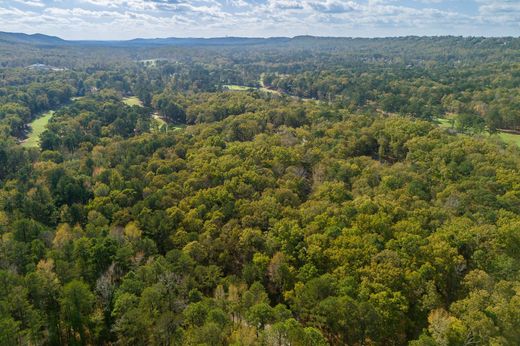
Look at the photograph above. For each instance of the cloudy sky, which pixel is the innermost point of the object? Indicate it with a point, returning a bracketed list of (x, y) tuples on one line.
[(124, 19)]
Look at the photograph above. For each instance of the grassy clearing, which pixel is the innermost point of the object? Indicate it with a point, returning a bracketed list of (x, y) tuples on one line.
[(162, 124), (178, 126), (37, 128), (264, 88), (132, 101), (247, 88), (159, 121), (156, 119), (233, 87), (510, 138), (445, 123)]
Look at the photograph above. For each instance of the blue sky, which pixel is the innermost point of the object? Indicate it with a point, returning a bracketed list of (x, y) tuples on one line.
[(124, 19)]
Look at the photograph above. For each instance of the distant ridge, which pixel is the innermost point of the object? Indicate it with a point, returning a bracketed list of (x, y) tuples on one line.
[(45, 40), (35, 39), (176, 41), (41, 39), (210, 41)]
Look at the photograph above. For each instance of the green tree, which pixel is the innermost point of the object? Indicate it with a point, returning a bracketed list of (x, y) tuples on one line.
[(77, 304)]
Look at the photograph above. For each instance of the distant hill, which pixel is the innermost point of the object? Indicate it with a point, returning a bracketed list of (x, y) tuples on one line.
[(35, 39), (40, 40), (176, 41), (210, 41), (297, 41)]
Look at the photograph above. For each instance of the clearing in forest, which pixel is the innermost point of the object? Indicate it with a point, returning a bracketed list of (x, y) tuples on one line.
[(132, 101), (233, 87), (37, 128), (508, 137)]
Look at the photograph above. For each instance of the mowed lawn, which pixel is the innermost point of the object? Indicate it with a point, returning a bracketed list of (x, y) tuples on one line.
[(238, 87), (37, 128), (132, 101), (446, 123), (510, 138), (160, 121), (248, 88), (263, 87)]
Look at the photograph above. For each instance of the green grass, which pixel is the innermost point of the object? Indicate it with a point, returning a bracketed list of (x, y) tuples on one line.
[(179, 126), (163, 124), (132, 101), (261, 80), (37, 128), (264, 88), (233, 87), (247, 88), (510, 138), (445, 123), (159, 121)]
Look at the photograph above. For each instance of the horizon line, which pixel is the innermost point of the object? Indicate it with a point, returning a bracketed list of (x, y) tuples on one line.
[(252, 37)]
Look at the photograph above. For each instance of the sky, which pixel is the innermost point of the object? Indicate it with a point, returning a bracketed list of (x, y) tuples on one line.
[(126, 19)]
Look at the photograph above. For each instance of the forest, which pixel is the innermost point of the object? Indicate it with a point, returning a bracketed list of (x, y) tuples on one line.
[(315, 191)]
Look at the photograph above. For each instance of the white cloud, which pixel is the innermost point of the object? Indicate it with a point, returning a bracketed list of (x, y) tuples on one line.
[(123, 19), (33, 3), (500, 11), (334, 6)]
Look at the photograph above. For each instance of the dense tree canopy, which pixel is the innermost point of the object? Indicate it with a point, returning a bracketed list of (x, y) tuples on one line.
[(264, 217)]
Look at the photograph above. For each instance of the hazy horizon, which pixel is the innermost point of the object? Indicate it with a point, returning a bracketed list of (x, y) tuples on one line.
[(247, 37), (128, 19)]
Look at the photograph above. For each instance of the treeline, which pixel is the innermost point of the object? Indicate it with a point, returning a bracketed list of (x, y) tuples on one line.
[(26, 94), (472, 80), (480, 96), (92, 120)]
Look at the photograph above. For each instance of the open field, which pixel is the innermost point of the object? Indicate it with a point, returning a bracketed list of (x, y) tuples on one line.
[(445, 123), (510, 138), (178, 126), (37, 128), (160, 121), (132, 101), (233, 87), (263, 88)]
